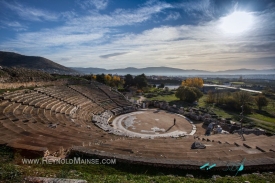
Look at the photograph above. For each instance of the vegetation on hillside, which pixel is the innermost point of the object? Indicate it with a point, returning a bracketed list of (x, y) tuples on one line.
[(23, 75), (189, 90), (139, 81), (10, 59), (231, 100), (188, 94), (258, 108), (108, 79), (261, 101), (193, 82)]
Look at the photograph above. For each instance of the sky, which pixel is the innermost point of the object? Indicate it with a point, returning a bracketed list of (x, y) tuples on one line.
[(208, 35)]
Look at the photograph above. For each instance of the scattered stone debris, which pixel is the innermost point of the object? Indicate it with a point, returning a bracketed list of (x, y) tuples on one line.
[(258, 174), (198, 145), (216, 177), (52, 125), (53, 180), (189, 175), (73, 171)]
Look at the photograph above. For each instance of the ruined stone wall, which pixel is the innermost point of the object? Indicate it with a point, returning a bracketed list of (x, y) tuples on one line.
[(32, 84)]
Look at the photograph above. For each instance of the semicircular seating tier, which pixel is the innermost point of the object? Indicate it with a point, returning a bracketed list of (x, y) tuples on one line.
[(55, 119)]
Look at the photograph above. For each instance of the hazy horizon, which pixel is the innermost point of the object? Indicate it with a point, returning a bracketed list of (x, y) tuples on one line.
[(171, 68), (205, 35)]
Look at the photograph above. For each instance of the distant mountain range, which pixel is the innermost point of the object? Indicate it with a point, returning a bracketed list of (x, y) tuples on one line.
[(10, 59), (168, 71)]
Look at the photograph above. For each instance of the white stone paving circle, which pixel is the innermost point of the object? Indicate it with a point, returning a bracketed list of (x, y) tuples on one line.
[(129, 121)]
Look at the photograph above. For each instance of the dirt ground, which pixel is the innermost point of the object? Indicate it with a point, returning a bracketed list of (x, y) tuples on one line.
[(158, 118)]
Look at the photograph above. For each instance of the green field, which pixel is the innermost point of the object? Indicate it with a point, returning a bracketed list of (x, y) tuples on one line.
[(167, 98), (264, 119)]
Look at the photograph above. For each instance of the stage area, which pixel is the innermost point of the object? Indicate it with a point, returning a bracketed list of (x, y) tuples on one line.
[(154, 123)]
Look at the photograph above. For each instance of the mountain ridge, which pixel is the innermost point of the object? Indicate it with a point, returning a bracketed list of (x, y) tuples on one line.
[(11, 59), (169, 71)]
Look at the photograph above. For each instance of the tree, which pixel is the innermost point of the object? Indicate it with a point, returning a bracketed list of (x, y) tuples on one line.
[(161, 85), (243, 98), (231, 103), (188, 94), (128, 80), (210, 97), (108, 79), (100, 78), (115, 81), (261, 101), (93, 77), (141, 81), (193, 82)]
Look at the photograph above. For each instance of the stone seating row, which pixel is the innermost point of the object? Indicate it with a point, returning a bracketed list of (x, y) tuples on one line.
[(108, 91), (18, 130), (45, 111), (121, 102), (106, 101), (17, 111), (148, 148), (9, 95), (108, 105), (91, 92), (251, 141), (32, 133), (63, 93)]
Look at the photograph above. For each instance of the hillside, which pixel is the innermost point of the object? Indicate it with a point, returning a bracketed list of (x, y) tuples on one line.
[(12, 74), (10, 59)]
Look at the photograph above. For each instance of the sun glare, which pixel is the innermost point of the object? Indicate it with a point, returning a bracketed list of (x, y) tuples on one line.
[(236, 22)]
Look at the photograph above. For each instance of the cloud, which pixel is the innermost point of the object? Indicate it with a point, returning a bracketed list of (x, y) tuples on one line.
[(65, 58), (53, 39), (198, 8), (103, 39), (30, 13), (120, 17), (173, 16), (170, 58), (68, 15), (112, 55), (13, 25), (96, 30), (98, 4)]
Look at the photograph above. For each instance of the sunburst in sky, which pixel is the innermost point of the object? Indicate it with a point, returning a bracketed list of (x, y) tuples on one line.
[(188, 34)]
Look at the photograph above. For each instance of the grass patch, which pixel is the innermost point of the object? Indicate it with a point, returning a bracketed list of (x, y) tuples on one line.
[(136, 98), (266, 116), (167, 98), (262, 117), (237, 83), (10, 90), (130, 173)]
